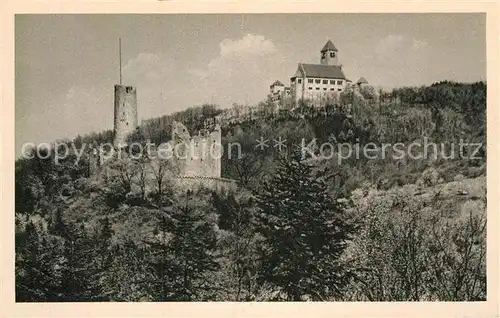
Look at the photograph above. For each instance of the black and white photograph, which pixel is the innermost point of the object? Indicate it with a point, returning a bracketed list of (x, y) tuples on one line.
[(250, 157)]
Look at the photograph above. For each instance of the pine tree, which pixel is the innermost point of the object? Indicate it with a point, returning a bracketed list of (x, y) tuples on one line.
[(101, 260), (305, 232), (190, 251), (34, 265), (76, 270), (238, 244), (129, 276)]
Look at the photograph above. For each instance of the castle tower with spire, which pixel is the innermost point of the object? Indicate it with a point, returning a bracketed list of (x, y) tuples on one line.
[(329, 54)]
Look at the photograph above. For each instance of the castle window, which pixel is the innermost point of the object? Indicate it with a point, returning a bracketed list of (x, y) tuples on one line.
[(299, 81), (325, 81), (332, 89), (317, 88), (339, 82), (332, 54), (123, 113), (324, 89), (318, 81), (310, 80), (332, 82), (340, 89), (310, 88)]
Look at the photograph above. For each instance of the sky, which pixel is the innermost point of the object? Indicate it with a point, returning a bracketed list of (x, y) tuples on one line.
[(67, 65)]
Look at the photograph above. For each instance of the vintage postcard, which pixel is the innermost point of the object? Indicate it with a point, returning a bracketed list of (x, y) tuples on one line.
[(250, 160)]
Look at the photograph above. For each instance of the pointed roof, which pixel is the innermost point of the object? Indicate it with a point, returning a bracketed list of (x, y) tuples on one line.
[(277, 83), (362, 80), (320, 71), (328, 47)]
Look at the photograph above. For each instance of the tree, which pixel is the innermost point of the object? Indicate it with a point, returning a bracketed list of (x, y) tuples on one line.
[(77, 274), (35, 261), (142, 175), (368, 92), (249, 165), (161, 169), (305, 231), (419, 247), (236, 213), (126, 171), (189, 254), (129, 276), (267, 107)]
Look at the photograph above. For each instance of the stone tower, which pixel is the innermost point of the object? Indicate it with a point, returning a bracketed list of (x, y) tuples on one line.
[(125, 114), (329, 54)]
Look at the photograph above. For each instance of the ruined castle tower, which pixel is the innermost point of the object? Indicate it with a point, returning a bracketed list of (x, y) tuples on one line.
[(198, 155), (125, 113)]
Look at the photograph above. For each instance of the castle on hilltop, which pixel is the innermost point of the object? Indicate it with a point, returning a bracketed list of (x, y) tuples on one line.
[(316, 83)]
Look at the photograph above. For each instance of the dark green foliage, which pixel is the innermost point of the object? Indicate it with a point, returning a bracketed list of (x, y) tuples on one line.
[(115, 194), (305, 233), (129, 276), (187, 255), (239, 244), (36, 263)]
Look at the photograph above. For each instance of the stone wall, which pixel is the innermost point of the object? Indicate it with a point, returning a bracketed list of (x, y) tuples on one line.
[(125, 115), (215, 184)]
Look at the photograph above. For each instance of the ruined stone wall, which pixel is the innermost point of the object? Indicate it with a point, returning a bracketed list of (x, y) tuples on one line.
[(200, 155), (125, 114), (215, 184)]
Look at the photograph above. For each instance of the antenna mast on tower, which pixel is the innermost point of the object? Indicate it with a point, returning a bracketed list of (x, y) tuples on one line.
[(120, 54), (161, 89)]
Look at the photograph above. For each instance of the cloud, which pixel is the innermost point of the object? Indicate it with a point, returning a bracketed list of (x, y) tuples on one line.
[(419, 44), (153, 75), (250, 44), (77, 111), (90, 108), (398, 60), (71, 93), (241, 71), (390, 43), (198, 73), (146, 67), (396, 43)]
